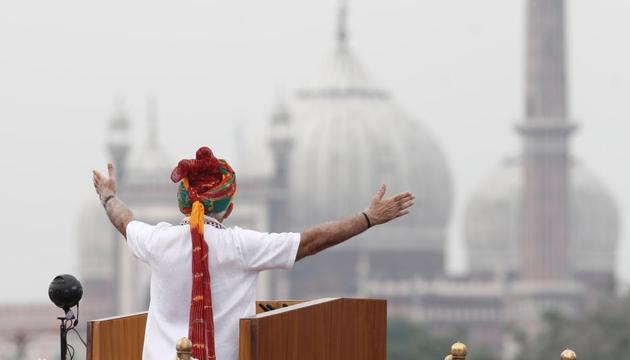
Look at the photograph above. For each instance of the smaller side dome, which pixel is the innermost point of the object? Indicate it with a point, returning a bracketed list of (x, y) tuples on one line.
[(594, 224), (491, 225)]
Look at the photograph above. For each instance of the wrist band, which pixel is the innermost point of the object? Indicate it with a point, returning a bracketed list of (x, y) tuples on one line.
[(367, 219), (109, 197)]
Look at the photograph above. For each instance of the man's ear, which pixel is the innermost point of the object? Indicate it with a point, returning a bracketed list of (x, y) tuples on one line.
[(228, 211)]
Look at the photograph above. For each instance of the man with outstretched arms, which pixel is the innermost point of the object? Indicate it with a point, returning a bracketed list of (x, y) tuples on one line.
[(206, 303)]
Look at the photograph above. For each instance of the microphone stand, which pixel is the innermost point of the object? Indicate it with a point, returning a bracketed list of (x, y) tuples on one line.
[(63, 336), (63, 331)]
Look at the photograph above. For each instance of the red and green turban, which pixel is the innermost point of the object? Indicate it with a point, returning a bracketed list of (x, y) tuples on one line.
[(207, 185), (206, 179)]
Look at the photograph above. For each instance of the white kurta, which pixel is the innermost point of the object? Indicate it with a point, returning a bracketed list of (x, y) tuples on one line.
[(236, 257)]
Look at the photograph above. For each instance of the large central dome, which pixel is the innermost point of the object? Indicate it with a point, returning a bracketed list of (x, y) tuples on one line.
[(350, 137)]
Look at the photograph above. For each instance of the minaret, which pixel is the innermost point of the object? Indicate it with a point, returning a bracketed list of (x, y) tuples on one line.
[(546, 61), (544, 223), (281, 144), (118, 143), (118, 146)]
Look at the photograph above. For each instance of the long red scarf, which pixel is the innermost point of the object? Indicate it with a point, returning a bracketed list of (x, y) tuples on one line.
[(201, 322)]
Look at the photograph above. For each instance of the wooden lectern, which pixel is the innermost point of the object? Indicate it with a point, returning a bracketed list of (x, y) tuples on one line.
[(118, 337), (323, 329), (330, 329)]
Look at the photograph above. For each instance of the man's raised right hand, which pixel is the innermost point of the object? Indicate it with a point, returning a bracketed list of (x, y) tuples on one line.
[(383, 210)]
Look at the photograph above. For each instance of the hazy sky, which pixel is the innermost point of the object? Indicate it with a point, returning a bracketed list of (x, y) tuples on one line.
[(212, 65)]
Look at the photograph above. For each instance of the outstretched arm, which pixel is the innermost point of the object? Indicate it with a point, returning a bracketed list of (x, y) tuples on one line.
[(332, 233), (118, 213)]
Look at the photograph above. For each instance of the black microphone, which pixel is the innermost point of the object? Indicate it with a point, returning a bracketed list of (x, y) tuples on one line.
[(65, 291)]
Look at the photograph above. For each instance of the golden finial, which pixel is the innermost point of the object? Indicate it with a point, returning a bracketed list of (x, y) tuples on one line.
[(568, 354), (458, 351), (184, 349)]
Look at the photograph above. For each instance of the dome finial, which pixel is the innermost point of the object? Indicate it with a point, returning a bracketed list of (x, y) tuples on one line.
[(568, 354), (342, 20)]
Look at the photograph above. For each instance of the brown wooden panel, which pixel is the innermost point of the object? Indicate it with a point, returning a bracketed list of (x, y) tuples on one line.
[(332, 329), (245, 340), (116, 338)]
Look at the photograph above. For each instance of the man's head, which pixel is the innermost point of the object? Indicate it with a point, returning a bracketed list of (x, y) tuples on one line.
[(206, 179)]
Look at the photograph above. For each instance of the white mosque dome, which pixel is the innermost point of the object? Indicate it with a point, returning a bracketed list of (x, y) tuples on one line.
[(490, 224), (351, 136)]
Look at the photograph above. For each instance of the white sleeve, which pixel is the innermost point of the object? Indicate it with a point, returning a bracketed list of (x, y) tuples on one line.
[(142, 240), (265, 251)]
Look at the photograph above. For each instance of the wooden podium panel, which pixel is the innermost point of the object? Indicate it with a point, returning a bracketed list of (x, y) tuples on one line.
[(122, 337), (331, 329), (119, 337)]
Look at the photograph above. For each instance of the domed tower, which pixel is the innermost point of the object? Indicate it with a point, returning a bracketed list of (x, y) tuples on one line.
[(351, 136)]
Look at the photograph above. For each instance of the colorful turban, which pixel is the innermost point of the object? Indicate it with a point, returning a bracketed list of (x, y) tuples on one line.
[(206, 179), (208, 185)]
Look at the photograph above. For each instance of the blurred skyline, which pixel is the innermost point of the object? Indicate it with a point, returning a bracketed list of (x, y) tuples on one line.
[(216, 69)]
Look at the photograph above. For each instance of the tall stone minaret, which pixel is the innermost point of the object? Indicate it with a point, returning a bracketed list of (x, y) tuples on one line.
[(118, 146), (118, 142), (544, 218), (281, 145)]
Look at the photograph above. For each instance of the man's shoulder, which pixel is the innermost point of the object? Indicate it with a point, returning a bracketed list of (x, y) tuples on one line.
[(161, 224), (144, 229)]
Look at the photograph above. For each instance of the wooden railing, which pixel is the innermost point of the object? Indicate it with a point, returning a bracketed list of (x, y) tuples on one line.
[(459, 352)]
